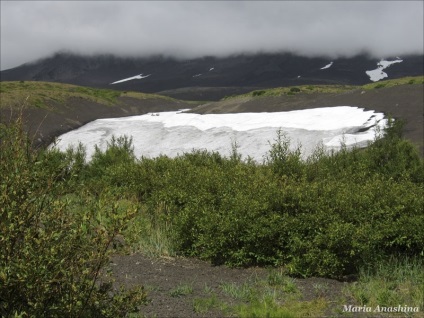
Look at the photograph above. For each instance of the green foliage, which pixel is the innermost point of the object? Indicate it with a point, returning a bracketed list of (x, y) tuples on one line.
[(276, 295), (322, 218), (269, 308), (181, 290), (113, 164), (53, 96), (327, 216), (258, 93), (379, 86), (203, 305), (395, 82), (395, 157), (51, 254), (390, 283), (295, 89), (308, 89), (243, 292), (284, 161), (103, 94)]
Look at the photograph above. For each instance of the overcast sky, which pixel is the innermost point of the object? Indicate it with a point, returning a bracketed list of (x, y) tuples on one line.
[(187, 29)]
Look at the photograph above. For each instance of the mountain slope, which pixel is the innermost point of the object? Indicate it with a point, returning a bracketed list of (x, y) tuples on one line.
[(209, 77), (51, 109)]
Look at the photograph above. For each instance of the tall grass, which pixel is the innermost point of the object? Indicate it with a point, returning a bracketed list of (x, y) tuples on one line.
[(397, 281)]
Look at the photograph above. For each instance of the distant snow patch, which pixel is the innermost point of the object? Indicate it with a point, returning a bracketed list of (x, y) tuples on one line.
[(140, 76), (327, 66), (197, 75), (211, 69), (378, 74)]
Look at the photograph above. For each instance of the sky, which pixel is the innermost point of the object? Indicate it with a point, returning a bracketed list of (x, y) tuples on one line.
[(188, 29)]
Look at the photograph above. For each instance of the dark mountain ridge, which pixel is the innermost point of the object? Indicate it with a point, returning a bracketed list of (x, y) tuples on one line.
[(236, 74)]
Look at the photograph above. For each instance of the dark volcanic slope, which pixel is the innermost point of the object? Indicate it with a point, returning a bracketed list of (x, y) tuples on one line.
[(237, 73), (45, 124)]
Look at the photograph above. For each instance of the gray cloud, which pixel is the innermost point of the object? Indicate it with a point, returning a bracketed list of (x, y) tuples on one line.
[(187, 29)]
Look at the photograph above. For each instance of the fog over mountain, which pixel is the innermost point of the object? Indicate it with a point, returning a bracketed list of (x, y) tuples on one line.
[(188, 29)]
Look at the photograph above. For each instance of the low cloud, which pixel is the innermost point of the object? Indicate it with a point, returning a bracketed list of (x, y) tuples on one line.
[(188, 29)]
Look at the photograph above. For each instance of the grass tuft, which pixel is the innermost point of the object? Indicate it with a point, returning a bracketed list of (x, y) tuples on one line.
[(390, 283)]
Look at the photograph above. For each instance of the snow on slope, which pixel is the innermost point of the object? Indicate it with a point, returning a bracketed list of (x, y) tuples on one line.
[(327, 66), (140, 76), (174, 133), (378, 74)]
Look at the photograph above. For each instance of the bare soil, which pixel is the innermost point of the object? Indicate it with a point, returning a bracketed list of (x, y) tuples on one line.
[(162, 276)]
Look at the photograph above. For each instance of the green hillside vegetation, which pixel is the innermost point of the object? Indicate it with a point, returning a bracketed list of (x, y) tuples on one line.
[(333, 215), (41, 94), (308, 89)]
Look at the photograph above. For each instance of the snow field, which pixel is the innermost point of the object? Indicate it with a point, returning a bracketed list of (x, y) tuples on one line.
[(174, 133)]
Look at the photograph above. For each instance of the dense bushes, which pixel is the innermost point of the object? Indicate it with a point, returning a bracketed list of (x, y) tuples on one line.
[(326, 216), (53, 251)]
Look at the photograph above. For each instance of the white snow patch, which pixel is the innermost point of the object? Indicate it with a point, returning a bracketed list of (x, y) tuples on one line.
[(140, 76), (378, 74), (327, 66), (211, 69), (197, 75), (174, 133)]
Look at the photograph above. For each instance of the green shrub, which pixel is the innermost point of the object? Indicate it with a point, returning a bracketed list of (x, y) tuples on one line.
[(118, 151), (52, 256), (395, 157), (379, 86), (258, 93), (283, 160)]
